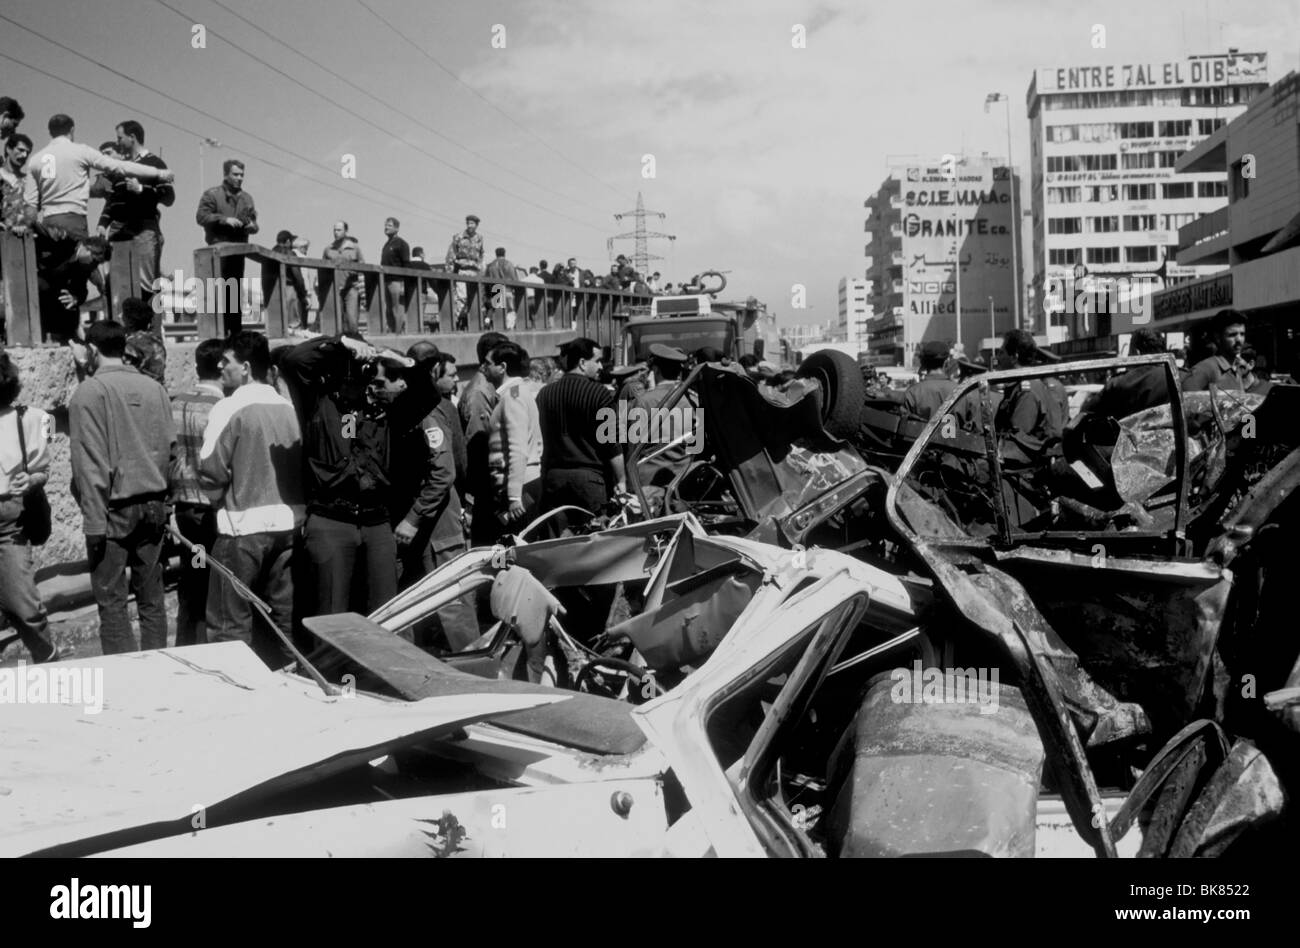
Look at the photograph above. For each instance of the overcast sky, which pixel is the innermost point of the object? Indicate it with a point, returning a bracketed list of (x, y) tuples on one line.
[(763, 153)]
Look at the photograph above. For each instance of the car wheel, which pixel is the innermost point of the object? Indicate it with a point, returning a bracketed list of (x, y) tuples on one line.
[(840, 378)]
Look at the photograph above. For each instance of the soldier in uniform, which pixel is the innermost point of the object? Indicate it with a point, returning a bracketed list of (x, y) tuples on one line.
[(923, 398), (629, 381), (655, 474), (1032, 415), (1142, 387), (465, 255)]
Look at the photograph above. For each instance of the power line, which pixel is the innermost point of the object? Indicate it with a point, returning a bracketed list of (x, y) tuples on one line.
[(402, 206), (406, 115), (378, 128), (496, 108)]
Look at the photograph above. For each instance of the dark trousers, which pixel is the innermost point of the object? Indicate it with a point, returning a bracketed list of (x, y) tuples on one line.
[(199, 526), (454, 627), (586, 608), (261, 561), (232, 268), (573, 486), (134, 541), (19, 600), (348, 558)]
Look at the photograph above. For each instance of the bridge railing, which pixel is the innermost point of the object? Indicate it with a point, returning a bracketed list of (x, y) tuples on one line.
[(429, 301)]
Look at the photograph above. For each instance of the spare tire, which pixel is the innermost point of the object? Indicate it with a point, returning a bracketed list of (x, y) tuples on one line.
[(843, 391)]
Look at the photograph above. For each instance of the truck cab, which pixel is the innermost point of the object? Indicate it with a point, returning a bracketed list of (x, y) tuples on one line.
[(691, 322)]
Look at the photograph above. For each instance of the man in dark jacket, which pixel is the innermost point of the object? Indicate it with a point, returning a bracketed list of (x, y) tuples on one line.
[(351, 408), (64, 266), (123, 441), (226, 214)]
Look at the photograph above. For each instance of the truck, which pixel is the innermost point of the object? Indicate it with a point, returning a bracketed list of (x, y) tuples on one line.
[(692, 321)]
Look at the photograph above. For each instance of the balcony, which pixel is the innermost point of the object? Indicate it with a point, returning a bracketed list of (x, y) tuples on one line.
[(1205, 240)]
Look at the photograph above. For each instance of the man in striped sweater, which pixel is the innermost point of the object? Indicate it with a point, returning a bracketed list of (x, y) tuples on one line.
[(251, 466), (196, 518)]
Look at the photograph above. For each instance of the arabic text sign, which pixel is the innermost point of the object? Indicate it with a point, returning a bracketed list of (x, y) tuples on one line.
[(965, 218), (1199, 71)]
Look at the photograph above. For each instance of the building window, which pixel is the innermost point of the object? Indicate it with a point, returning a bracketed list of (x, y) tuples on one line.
[(1097, 162), (1059, 163), (1064, 225), (1139, 192), (1145, 254), (1092, 132), (1063, 257), (1180, 189), (1177, 128), (1064, 195), (1137, 129), (1141, 159), (1212, 189), (1101, 193), (1167, 159), (1103, 225), (1175, 221), (1139, 222), (1208, 126), (1102, 255)]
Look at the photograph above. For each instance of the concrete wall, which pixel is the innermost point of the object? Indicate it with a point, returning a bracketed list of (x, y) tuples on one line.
[(49, 378)]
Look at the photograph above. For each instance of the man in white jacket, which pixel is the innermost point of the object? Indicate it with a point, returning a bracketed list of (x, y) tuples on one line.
[(514, 436)]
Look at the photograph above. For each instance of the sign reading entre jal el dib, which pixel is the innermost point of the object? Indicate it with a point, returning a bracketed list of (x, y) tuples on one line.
[(1225, 70)]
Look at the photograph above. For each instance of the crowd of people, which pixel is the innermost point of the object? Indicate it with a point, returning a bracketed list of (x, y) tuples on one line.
[(323, 476), (46, 192)]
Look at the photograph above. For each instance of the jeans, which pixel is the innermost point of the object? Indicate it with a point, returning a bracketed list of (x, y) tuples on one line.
[(198, 524), (261, 561), (395, 305), (19, 600), (350, 301), (74, 224), (148, 245), (352, 564), (134, 540)]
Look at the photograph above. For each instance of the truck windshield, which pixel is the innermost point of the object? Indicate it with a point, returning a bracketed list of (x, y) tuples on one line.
[(682, 332)]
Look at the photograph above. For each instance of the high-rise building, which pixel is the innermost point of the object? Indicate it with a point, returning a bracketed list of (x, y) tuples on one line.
[(854, 311), (1257, 235), (1107, 205), (936, 229)]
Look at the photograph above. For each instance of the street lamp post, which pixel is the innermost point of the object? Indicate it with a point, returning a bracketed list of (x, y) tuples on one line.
[(956, 219), (204, 142), (1015, 203), (993, 329)]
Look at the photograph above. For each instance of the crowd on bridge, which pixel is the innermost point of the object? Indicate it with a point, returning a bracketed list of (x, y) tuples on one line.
[(47, 192)]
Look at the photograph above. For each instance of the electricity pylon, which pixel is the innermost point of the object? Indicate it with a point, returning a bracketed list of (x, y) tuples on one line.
[(641, 256)]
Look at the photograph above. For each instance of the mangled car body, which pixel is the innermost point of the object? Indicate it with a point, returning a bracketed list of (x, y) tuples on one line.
[(1105, 630)]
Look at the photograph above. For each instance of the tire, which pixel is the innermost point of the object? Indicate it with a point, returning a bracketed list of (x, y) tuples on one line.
[(842, 391)]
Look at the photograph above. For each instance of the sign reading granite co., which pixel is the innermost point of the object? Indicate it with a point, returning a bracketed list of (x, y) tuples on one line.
[(1226, 70), (948, 222)]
